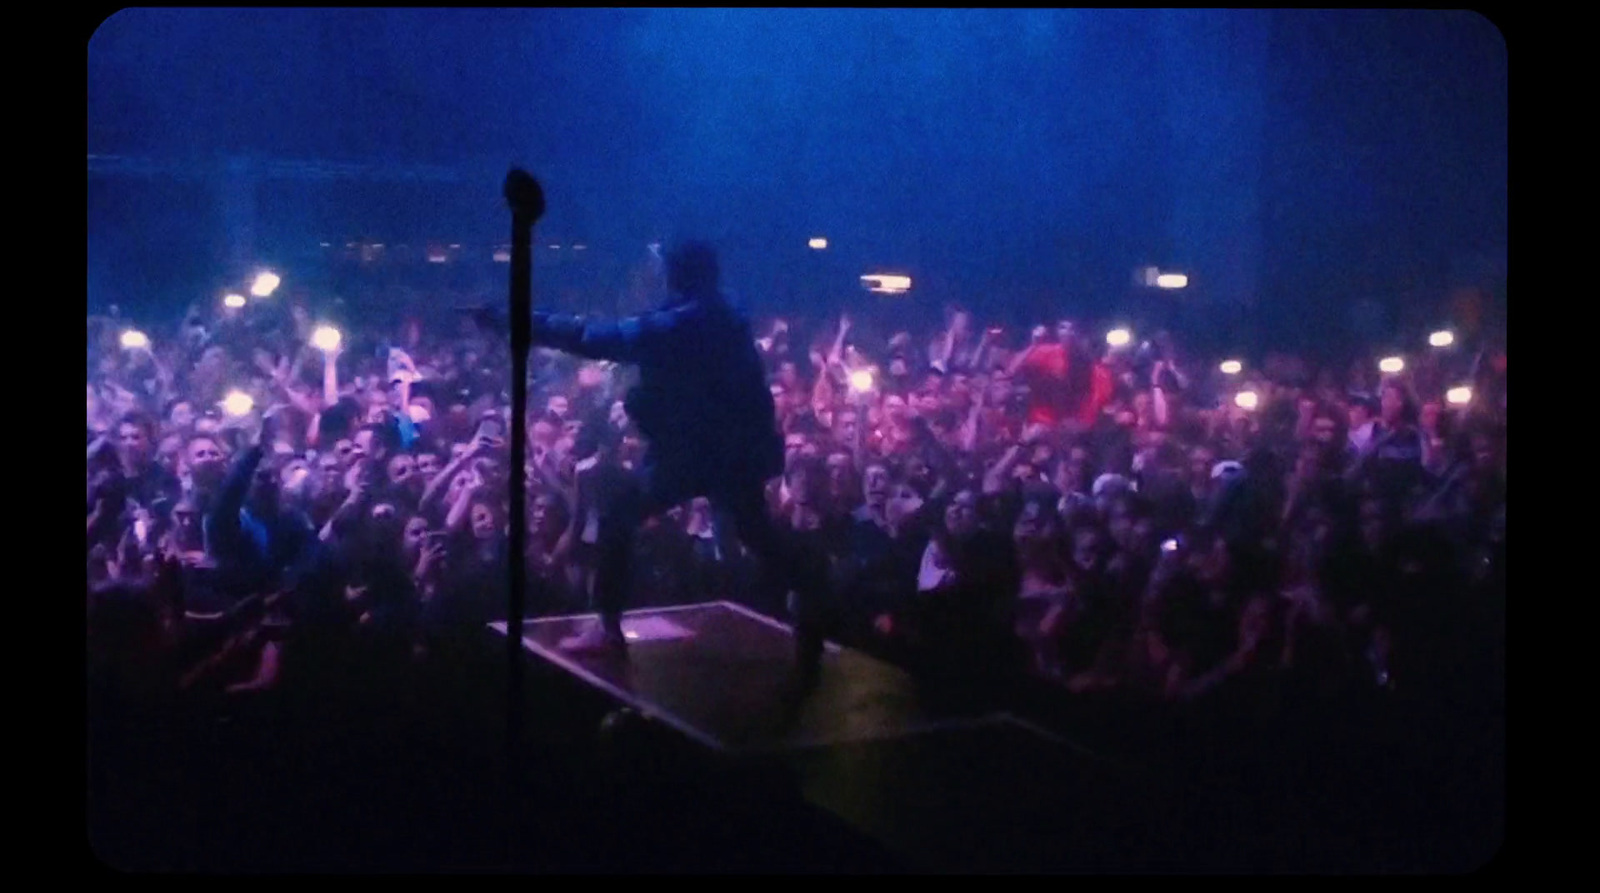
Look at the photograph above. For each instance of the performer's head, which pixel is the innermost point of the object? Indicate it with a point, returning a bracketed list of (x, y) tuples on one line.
[(692, 269)]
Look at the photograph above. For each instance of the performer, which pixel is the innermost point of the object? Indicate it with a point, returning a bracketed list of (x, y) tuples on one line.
[(704, 405)]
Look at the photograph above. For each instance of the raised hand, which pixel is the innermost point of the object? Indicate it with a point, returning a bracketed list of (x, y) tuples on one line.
[(270, 425), (355, 481), (1156, 370), (431, 561)]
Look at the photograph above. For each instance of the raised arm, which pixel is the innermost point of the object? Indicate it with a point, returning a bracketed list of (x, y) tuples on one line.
[(442, 480), (1021, 359), (284, 373), (943, 349), (969, 428), (979, 353), (994, 479), (822, 391), (351, 508), (634, 340), (461, 509), (836, 352), (1159, 406), (330, 377), (1305, 419), (237, 484)]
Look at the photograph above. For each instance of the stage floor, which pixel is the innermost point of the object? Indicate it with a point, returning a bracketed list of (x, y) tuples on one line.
[(986, 792), (716, 672)]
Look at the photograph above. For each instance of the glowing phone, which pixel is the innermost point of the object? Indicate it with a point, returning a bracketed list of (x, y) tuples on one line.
[(490, 428)]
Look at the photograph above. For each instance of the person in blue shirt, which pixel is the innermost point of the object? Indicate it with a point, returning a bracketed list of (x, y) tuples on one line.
[(259, 545), (703, 404)]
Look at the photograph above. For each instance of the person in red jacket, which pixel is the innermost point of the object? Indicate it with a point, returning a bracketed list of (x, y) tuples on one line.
[(1045, 367), (1091, 404), (1065, 381)]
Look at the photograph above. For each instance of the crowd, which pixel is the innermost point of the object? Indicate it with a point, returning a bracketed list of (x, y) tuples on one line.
[(272, 501)]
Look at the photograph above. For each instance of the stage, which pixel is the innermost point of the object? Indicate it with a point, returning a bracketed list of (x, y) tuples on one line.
[(410, 773), (943, 790)]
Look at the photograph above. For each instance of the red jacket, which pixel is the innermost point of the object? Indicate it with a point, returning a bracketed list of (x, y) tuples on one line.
[(1101, 387), (1045, 371)]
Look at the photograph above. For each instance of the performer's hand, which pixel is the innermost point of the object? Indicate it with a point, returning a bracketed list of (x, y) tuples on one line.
[(884, 624)]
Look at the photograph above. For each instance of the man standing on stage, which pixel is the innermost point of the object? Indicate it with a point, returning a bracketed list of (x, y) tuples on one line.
[(703, 403)]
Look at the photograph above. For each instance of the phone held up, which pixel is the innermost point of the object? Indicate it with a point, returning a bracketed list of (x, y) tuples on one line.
[(490, 428)]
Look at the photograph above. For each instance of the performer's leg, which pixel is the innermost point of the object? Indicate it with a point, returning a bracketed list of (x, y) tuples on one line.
[(746, 511), (620, 519)]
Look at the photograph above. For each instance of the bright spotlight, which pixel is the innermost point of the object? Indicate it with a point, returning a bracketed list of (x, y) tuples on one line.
[(238, 403), (1246, 400), (1231, 367), (1459, 396), (1442, 339), (233, 301), (861, 381), (818, 244), (326, 338), (134, 339), (1172, 280), (1119, 337), (265, 284), (886, 284), (1391, 365)]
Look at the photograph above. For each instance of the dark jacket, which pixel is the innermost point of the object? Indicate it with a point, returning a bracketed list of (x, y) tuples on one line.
[(702, 399), (255, 554)]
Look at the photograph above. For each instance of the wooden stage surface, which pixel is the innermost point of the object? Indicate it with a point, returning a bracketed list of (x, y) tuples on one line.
[(947, 791)]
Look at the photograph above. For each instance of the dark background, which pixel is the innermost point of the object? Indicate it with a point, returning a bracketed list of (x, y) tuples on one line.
[(1294, 163)]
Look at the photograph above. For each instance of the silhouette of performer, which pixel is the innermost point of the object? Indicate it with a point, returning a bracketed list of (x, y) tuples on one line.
[(704, 405)]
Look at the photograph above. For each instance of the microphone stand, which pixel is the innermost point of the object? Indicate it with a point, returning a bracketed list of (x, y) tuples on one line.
[(526, 199)]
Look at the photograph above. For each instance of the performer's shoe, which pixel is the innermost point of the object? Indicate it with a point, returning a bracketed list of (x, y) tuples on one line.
[(600, 638)]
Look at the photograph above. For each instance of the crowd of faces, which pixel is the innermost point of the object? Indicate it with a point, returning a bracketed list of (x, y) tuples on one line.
[(1113, 519)]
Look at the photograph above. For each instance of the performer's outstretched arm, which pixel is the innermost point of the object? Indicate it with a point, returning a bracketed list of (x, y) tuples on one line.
[(633, 340)]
